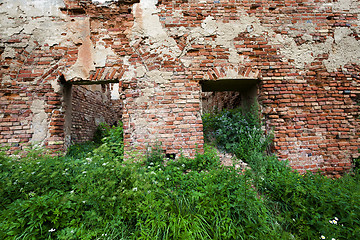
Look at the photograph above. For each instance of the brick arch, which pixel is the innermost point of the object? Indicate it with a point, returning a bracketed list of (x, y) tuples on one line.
[(231, 72)]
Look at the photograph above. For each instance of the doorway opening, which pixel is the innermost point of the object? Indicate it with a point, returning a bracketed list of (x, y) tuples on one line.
[(89, 104)]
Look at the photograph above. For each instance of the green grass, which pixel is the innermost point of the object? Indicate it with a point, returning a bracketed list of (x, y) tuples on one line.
[(91, 193)]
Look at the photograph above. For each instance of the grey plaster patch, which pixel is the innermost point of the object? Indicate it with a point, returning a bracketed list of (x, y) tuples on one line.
[(115, 94), (55, 85), (346, 5), (85, 61), (38, 18), (8, 53), (147, 24), (347, 50), (101, 53), (39, 122)]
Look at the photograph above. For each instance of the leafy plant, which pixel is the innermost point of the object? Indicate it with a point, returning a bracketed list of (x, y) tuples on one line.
[(236, 131)]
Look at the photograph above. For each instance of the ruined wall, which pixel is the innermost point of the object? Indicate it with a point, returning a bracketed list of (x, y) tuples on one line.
[(305, 54), (30, 97), (90, 107)]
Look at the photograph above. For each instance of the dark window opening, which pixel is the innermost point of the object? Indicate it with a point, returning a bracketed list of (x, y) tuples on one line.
[(228, 94)]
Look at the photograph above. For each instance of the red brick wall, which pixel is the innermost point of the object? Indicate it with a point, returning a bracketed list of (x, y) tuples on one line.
[(305, 54), (89, 108)]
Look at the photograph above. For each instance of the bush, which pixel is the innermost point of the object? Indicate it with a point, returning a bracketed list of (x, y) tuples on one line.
[(237, 131), (96, 195), (307, 206)]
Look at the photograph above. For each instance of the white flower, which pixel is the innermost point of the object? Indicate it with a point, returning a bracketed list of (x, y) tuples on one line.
[(153, 172), (104, 164), (84, 172), (183, 165), (33, 173), (151, 163), (52, 230), (149, 167), (83, 201), (336, 218), (334, 222), (322, 237), (167, 179), (333, 239), (293, 219), (134, 189), (72, 191)]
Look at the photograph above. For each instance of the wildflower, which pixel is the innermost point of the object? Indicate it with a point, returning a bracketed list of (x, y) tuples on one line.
[(134, 189), (167, 179), (83, 201), (33, 173), (104, 164), (322, 237), (151, 163), (183, 165), (72, 191), (153, 172), (52, 230), (149, 167), (336, 218), (84, 172), (333, 239), (334, 222), (89, 159)]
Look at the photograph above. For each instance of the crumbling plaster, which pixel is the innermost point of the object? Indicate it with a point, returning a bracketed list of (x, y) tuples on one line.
[(158, 65), (39, 122)]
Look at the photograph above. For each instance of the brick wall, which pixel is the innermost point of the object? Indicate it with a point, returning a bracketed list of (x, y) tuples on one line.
[(305, 54), (89, 109)]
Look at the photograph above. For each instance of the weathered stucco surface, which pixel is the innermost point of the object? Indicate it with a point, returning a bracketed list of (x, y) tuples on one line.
[(39, 122), (155, 53)]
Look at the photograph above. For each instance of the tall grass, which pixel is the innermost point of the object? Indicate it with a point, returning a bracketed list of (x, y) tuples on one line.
[(93, 194)]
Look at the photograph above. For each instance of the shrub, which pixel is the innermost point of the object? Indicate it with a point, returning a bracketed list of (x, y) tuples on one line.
[(96, 195), (237, 131), (307, 206)]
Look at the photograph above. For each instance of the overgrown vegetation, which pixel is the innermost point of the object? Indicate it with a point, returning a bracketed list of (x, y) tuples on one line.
[(93, 194)]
